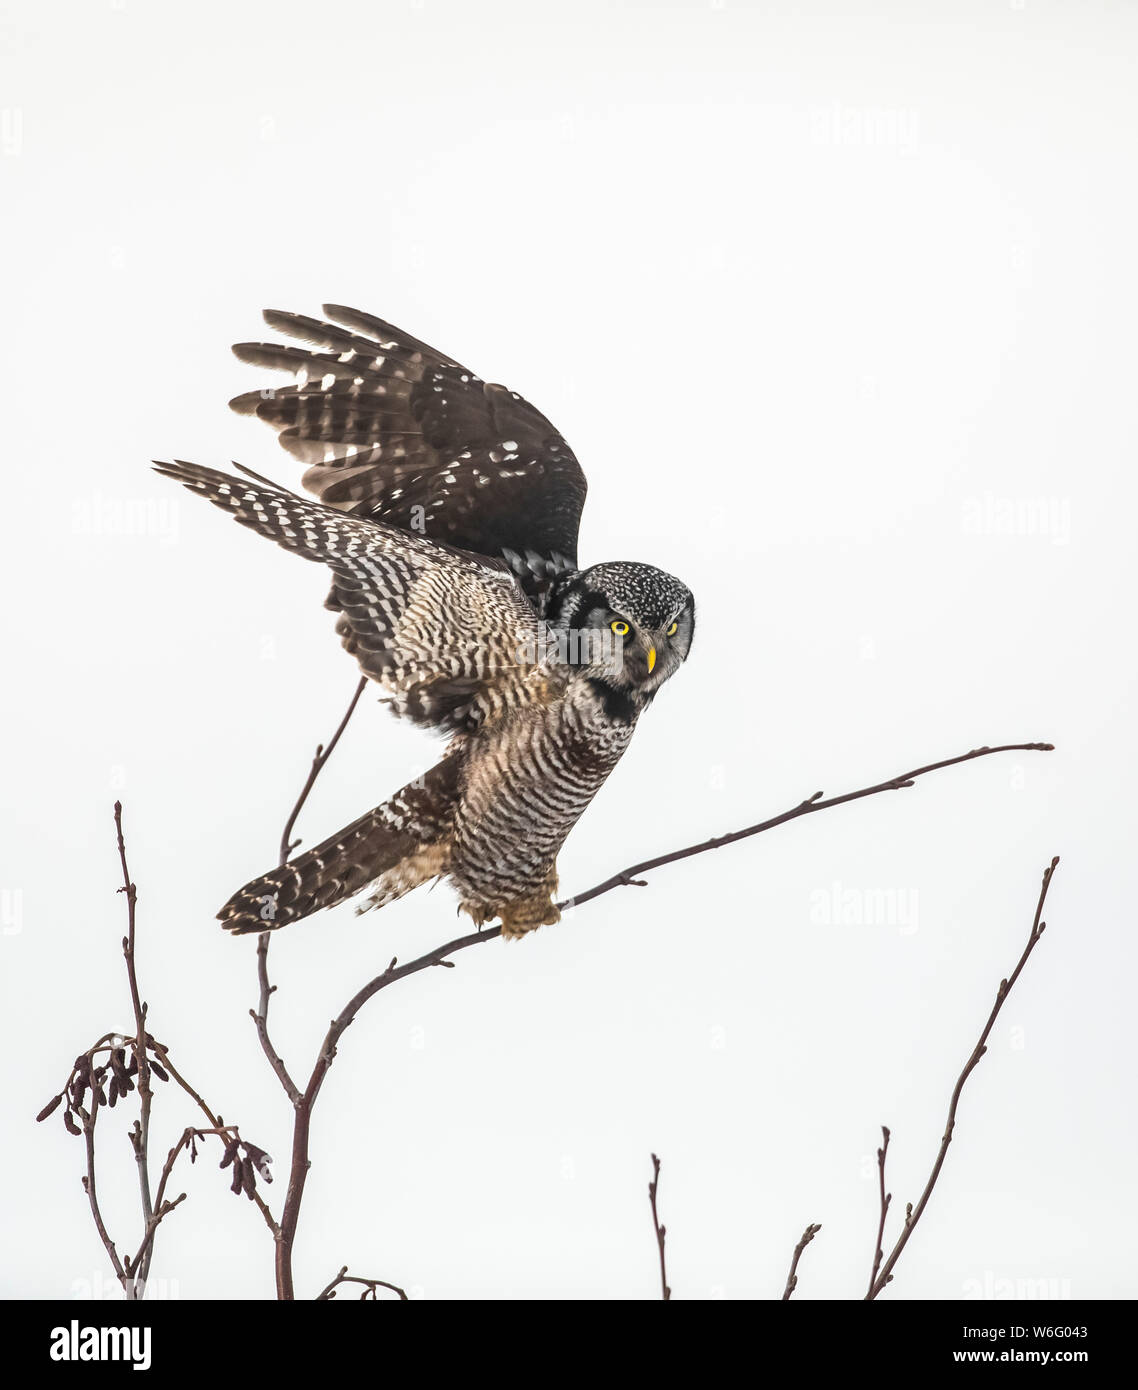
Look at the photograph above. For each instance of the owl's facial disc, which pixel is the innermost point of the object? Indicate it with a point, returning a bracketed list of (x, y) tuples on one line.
[(638, 622)]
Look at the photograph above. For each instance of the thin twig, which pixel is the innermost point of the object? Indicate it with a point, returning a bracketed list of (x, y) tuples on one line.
[(320, 757), (369, 1286), (661, 1231), (886, 1198), (913, 1214), (141, 1136), (163, 1210), (792, 1278), (629, 877), (260, 1016), (216, 1125), (162, 1207), (88, 1120), (133, 1273), (299, 1165), (287, 845), (176, 1075)]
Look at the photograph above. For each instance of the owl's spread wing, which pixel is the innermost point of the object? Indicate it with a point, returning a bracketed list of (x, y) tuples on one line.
[(449, 635), (394, 430)]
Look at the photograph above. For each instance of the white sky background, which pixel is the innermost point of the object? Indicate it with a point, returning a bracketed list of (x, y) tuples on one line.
[(828, 303)]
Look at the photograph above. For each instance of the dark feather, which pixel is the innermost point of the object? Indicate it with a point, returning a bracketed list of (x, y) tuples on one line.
[(377, 843), (396, 431)]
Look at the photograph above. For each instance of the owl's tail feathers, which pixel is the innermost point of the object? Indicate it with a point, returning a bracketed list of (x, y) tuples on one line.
[(396, 847)]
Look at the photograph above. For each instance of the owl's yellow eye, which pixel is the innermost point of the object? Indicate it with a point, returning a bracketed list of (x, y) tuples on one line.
[(620, 628), (673, 629)]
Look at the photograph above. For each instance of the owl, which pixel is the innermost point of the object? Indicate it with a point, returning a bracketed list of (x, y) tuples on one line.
[(447, 514)]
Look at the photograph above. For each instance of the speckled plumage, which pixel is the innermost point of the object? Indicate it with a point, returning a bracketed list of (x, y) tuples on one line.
[(448, 520)]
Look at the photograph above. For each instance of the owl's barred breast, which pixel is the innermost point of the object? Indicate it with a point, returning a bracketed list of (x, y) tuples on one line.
[(528, 780)]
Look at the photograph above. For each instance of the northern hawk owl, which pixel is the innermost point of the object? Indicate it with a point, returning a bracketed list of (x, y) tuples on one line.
[(448, 513)]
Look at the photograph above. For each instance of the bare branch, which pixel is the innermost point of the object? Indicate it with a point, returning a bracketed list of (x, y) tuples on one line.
[(109, 1079), (163, 1210), (319, 758), (287, 845), (300, 1162), (370, 1286), (87, 1076), (792, 1278), (216, 1125), (228, 1134), (913, 1214), (886, 1198), (298, 1172), (88, 1119), (260, 1017), (141, 1137), (661, 1231), (629, 877)]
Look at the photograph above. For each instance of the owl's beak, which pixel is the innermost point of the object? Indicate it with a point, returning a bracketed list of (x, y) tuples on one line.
[(651, 659)]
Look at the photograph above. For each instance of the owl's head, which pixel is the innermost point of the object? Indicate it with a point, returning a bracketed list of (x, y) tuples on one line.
[(640, 621)]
